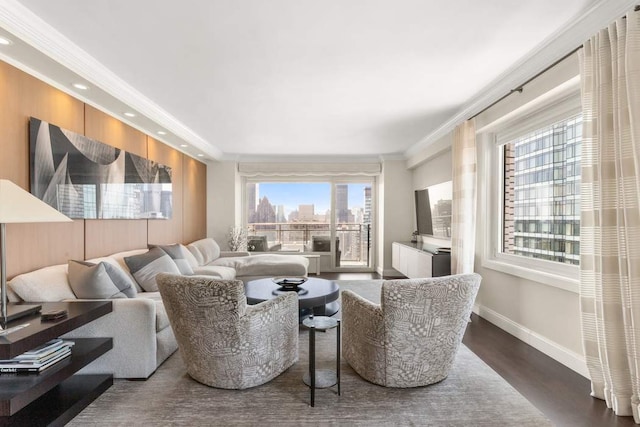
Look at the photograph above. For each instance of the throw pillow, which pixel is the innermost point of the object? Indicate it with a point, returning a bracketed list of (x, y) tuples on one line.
[(177, 254), (145, 267), (102, 280)]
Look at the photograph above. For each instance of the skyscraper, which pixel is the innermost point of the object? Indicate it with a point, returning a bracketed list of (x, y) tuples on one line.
[(265, 211), (542, 193), (342, 203), (252, 201), (367, 206)]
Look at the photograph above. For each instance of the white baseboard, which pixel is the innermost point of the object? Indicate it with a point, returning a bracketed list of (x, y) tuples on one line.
[(568, 358)]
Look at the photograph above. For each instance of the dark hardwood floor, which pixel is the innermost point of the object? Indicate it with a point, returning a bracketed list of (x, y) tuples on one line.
[(557, 391)]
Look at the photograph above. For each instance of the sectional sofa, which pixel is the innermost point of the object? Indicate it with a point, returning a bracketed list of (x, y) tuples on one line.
[(142, 335)]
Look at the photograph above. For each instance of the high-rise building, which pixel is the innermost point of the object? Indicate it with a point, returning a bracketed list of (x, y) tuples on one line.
[(366, 219), (342, 203), (306, 213), (252, 200), (265, 211), (542, 193), (280, 216)]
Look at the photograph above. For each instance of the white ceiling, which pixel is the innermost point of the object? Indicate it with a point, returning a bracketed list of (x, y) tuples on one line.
[(278, 78)]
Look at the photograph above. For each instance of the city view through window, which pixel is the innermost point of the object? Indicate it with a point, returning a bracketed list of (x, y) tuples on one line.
[(542, 193), (297, 217)]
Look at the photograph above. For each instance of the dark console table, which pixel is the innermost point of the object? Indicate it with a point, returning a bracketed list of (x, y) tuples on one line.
[(56, 395)]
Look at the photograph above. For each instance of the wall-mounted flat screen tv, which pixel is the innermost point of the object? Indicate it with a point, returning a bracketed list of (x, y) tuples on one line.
[(433, 210)]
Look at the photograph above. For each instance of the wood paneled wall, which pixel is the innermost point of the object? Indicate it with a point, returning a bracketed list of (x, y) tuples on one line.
[(31, 246), (169, 231), (194, 222)]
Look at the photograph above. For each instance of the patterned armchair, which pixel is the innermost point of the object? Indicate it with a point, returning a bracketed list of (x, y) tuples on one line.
[(412, 337), (224, 342)]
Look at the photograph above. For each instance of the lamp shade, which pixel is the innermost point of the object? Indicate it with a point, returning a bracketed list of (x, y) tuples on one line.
[(20, 206)]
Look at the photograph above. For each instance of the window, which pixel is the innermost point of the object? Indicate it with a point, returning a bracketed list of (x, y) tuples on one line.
[(333, 216), (530, 171), (528, 209)]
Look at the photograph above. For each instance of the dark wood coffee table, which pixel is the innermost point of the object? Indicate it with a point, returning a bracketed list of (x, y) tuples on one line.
[(319, 295)]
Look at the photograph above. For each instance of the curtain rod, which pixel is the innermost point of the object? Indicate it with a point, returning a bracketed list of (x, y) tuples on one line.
[(520, 88)]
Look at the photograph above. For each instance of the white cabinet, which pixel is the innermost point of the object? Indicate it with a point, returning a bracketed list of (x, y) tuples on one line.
[(413, 262)]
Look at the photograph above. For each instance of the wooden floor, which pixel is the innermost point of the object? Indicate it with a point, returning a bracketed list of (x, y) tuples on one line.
[(557, 391)]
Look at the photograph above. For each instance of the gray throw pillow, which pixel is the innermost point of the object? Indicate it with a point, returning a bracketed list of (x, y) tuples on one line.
[(99, 281), (145, 267), (178, 255)]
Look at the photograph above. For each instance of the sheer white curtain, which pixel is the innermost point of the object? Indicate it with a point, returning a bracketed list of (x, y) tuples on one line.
[(463, 215), (610, 217)]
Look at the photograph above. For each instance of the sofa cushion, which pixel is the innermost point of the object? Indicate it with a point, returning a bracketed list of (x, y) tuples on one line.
[(191, 259), (48, 284), (266, 265), (205, 250), (217, 271), (145, 267), (98, 281), (117, 260), (178, 254)]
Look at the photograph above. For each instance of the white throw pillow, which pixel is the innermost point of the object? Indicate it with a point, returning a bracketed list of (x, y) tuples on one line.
[(48, 284)]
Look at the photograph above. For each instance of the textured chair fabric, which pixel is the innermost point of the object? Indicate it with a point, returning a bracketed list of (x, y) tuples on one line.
[(224, 342), (412, 337)]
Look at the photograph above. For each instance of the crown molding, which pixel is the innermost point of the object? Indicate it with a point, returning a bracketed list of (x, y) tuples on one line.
[(554, 47), (34, 31), (310, 158)]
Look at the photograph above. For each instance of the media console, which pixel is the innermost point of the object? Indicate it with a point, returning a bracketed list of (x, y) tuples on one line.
[(414, 262)]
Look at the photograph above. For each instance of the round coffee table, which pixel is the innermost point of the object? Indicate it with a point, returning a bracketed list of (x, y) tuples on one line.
[(319, 295)]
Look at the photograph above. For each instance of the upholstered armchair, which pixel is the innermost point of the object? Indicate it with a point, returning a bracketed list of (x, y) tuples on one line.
[(412, 337), (224, 342)]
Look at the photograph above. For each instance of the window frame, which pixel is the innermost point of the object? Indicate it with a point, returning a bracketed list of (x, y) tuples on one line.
[(491, 197), (333, 181)]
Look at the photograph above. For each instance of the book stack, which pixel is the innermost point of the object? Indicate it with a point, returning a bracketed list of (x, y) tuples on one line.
[(38, 359)]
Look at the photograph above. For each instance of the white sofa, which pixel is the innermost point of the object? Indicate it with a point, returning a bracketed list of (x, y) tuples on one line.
[(142, 335), (208, 259)]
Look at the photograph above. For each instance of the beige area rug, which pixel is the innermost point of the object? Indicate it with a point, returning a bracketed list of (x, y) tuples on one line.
[(472, 395)]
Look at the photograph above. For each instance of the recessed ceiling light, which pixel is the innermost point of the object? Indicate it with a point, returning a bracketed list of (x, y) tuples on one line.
[(80, 86), (128, 114), (183, 145), (200, 155), (5, 42), (161, 132)]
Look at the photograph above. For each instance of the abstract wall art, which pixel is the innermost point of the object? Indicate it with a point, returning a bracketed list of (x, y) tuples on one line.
[(85, 178)]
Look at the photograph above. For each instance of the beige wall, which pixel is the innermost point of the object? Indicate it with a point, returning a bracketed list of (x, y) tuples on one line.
[(396, 214), (31, 246), (224, 200)]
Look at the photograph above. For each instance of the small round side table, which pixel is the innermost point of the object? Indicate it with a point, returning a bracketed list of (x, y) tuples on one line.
[(321, 378)]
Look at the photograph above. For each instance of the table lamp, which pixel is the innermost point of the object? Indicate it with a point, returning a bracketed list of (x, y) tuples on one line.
[(19, 206)]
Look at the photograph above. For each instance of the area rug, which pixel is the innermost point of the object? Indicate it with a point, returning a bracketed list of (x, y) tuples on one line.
[(472, 395)]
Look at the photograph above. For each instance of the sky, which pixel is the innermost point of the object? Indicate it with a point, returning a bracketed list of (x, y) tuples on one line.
[(292, 194)]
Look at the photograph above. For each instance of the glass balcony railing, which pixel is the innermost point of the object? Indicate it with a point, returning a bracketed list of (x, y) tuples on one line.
[(352, 240)]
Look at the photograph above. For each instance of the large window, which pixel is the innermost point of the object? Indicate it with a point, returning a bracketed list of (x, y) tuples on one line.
[(530, 166), (541, 193), (332, 218)]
